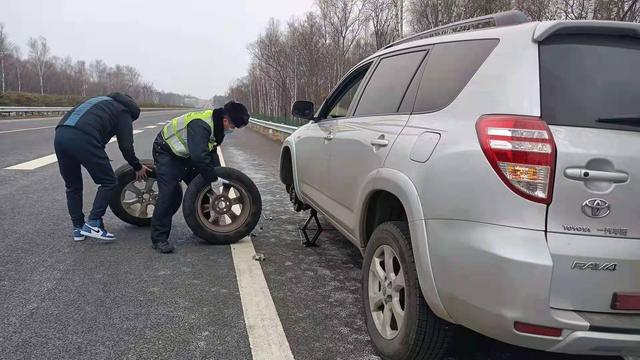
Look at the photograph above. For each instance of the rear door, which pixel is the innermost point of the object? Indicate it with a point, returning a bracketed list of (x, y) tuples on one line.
[(590, 97)]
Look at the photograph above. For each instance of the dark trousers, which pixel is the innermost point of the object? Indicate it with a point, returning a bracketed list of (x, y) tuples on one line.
[(170, 170), (75, 149)]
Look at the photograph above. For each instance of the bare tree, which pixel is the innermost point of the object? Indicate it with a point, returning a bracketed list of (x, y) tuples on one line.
[(39, 54), (17, 60), (83, 76), (384, 18), (344, 20), (539, 10), (428, 14), (5, 48)]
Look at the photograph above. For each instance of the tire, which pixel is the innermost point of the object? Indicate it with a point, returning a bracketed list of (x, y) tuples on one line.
[(126, 177), (240, 211), (421, 335)]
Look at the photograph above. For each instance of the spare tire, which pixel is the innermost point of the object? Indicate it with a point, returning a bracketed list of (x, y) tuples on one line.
[(133, 201), (225, 218)]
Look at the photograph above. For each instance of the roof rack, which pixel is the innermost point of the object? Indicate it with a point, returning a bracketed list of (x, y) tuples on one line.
[(506, 18)]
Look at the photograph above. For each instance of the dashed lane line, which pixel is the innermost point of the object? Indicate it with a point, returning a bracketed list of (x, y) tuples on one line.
[(49, 159), (36, 163), (27, 129), (151, 127), (266, 334)]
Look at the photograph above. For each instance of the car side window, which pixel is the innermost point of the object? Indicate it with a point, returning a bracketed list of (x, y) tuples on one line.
[(448, 70), (388, 84), (341, 107), (341, 100)]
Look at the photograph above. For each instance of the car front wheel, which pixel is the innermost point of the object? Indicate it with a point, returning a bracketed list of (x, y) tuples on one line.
[(398, 319)]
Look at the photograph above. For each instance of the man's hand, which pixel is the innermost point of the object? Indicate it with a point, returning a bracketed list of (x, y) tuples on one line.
[(217, 185), (142, 173)]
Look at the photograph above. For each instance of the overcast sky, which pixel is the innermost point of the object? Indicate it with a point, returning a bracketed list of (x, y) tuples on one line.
[(193, 47)]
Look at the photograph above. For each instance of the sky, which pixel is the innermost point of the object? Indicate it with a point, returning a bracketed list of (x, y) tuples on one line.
[(195, 47)]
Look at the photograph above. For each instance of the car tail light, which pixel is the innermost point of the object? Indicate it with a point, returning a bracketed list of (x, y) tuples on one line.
[(537, 329), (522, 152)]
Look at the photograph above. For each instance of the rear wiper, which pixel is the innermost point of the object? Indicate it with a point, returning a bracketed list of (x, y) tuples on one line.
[(621, 119)]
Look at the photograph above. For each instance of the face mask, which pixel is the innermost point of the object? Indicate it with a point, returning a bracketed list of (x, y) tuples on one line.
[(228, 131)]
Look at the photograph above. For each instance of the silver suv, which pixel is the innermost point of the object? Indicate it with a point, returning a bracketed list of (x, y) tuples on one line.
[(489, 171)]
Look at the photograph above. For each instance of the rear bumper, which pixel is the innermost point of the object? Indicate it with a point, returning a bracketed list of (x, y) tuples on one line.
[(489, 276)]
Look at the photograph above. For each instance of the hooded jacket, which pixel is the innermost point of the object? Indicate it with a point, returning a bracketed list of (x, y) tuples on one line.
[(102, 117)]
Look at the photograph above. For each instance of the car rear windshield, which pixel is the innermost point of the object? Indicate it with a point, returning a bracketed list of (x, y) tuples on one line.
[(591, 81)]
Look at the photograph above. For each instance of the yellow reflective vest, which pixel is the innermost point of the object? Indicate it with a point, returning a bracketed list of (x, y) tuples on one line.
[(174, 133)]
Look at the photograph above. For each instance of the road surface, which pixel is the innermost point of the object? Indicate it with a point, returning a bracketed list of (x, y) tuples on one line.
[(87, 300)]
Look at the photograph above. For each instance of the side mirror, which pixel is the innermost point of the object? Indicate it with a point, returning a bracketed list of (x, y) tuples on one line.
[(302, 109)]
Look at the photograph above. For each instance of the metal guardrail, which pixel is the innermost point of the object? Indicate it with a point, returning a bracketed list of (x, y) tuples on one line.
[(46, 109), (288, 129)]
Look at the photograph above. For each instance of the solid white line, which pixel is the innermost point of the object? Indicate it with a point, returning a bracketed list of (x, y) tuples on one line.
[(151, 127), (27, 129), (34, 164), (49, 159), (266, 335)]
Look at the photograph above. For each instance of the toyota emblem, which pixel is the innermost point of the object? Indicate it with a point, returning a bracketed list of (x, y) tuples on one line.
[(596, 208)]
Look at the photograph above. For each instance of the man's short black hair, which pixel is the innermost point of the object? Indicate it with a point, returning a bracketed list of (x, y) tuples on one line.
[(237, 113), (128, 102)]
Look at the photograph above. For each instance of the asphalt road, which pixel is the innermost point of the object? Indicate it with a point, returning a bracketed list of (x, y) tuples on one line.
[(87, 300)]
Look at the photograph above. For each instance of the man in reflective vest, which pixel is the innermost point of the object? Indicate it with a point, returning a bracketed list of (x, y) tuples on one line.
[(80, 140), (186, 147)]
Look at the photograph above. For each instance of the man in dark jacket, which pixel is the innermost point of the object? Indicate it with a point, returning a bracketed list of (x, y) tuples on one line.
[(186, 147), (80, 140)]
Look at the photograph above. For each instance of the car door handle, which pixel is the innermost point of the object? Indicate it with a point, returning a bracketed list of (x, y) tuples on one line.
[(581, 174), (379, 142), (328, 137)]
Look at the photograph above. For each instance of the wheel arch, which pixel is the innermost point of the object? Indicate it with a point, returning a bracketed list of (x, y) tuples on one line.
[(398, 190), (286, 166)]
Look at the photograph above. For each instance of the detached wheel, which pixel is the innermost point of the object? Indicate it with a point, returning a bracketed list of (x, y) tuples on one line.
[(134, 201), (400, 323), (225, 218)]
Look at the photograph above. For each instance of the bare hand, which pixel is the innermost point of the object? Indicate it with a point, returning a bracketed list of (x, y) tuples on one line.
[(142, 173)]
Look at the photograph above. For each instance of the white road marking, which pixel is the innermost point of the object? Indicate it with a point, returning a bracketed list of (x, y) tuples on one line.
[(36, 163), (27, 129), (161, 123), (49, 159), (266, 335), (151, 127)]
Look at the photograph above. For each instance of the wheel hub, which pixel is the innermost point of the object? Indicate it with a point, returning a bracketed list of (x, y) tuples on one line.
[(386, 292), (221, 204)]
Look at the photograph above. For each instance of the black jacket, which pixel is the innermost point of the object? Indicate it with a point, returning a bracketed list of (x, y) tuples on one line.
[(198, 134), (102, 117)]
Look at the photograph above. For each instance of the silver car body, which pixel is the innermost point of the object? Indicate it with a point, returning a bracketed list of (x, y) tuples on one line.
[(486, 257)]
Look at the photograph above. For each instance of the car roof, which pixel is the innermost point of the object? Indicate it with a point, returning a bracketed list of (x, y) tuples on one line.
[(535, 31)]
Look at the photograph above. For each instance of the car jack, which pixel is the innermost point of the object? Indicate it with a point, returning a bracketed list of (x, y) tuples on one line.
[(302, 230)]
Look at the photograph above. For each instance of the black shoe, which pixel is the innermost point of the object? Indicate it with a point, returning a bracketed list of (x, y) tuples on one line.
[(164, 247)]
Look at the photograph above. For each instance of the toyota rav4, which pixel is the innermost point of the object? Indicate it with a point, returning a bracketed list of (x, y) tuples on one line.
[(489, 172)]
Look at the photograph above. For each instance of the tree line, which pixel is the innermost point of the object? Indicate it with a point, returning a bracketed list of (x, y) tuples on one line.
[(305, 57), (38, 71)]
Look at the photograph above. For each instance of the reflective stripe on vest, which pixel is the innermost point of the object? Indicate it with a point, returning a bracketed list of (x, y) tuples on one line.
[(175, 132), (82, 108)]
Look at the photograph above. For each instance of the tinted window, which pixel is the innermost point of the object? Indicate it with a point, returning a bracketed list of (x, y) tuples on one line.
[(450, 66), (339, 101), (584, 78), (387, 85), (341, 107)]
